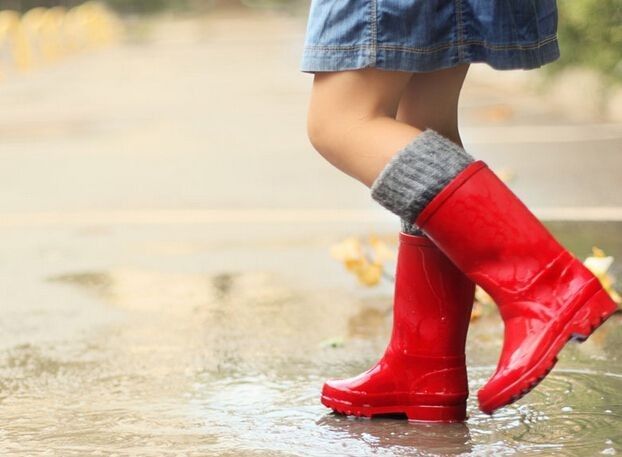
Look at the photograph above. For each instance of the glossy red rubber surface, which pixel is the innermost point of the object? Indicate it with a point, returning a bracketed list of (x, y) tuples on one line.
[(422, 373), (545, 295)]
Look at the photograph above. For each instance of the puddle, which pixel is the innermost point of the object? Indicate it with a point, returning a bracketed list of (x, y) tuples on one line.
[(232, 364)]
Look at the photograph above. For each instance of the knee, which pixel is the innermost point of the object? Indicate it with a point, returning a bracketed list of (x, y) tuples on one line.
[(332, 131), (321, 129)]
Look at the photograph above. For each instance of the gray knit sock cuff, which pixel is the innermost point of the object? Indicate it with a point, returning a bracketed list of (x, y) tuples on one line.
[(416, 173), (411, 229)]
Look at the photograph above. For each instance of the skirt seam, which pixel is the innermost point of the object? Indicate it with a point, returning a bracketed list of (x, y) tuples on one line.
[(459, 31), (373, 17), (440, 47)]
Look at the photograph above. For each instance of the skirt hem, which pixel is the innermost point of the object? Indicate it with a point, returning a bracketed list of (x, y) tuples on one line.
[(318, 58)]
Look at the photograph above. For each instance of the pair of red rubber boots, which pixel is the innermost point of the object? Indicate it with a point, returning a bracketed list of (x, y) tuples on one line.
[(477, 231)]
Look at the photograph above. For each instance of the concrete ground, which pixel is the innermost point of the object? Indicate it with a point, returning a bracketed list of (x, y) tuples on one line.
[(166, 283)]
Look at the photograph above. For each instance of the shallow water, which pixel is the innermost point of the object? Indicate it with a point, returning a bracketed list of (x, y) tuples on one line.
[(229, 361)]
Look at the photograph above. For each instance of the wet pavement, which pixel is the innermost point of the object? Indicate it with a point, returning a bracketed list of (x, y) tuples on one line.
[(183, 341), (166, 282)]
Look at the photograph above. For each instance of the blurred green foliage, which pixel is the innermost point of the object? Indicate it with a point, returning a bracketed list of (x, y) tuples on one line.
[(139, 6), (149, 6), (590, 35), (25, 5)]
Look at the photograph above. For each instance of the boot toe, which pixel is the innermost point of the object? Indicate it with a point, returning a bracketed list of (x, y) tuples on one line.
[(335, 388), (344, 390), (486, 396), (511, 384), (337, 395)]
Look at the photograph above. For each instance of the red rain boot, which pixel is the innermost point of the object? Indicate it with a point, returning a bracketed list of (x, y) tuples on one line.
[(544, 294), (422, 373)]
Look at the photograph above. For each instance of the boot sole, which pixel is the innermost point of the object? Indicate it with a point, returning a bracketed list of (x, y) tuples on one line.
[(414, 413), (591, 315)]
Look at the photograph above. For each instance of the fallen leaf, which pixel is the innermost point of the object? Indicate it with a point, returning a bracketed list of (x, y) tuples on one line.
[(368, 270), (599, 264), (476, 312), (381, 251)]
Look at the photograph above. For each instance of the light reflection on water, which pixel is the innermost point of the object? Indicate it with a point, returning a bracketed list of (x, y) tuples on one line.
[(232, 364), (571, 413)]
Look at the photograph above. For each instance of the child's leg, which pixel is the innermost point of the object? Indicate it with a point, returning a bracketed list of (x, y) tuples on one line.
[(545, 295), (352, 114), (431, 101), (351, 119)]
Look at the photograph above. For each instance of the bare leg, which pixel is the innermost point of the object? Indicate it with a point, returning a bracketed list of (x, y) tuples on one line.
[(430, 100), (351, 119), (352, 115)]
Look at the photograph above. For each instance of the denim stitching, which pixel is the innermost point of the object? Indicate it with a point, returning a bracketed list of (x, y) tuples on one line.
[(374, 31), (459, 35), (492, 47), (440, 47), (537, 25)]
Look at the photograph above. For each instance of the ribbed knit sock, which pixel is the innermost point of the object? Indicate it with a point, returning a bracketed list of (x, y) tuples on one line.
[(416, 173), (411, 229)]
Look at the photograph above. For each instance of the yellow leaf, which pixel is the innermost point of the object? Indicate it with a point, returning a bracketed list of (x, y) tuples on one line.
[(351, 253), (599, 264), (381, 251), (369, 274), (597, 252), (476, 312), (347, 250), (354, 264)]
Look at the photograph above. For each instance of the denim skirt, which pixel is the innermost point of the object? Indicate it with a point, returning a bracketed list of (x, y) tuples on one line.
[(428, 35)]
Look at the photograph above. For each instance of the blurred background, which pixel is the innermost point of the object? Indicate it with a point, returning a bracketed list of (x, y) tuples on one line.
[(172, 278)]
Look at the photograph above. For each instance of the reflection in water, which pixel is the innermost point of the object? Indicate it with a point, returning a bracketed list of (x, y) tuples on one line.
[(571, 413), (402, 437), (280, 415), (232, 364)]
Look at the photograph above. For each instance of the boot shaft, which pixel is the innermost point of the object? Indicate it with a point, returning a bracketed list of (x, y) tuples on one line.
[(432, 301), (496, 241)]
